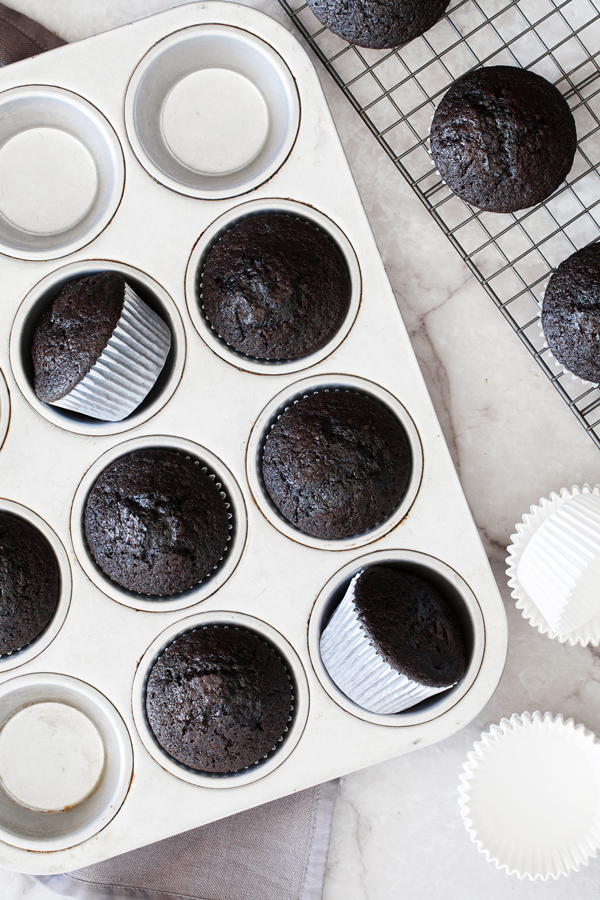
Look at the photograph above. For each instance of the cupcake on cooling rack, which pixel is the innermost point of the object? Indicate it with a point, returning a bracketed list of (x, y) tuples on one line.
[(29, 583), (554, 565), (98, 349), (156, 522), (377, 25), (218, 699), (393, 641), (503, 138), (336, 463), (571, 313), (275, 287)]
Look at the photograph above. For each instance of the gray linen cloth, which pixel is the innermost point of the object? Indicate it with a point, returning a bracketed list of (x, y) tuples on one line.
[(274, 852)]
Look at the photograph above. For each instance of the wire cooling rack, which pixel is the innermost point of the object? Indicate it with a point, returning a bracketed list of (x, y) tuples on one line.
[(396, 92)]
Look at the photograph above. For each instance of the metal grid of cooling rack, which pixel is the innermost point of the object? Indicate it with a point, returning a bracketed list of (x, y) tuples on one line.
[(396, 91)]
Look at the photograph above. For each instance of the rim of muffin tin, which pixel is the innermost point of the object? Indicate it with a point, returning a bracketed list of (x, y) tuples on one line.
[(284, 746), (48, 106), (217, 470), (46, 831), (42, 641), (4, 408), (453, 588), (213, 234), (278, 405), (44, 293), (166, 65)]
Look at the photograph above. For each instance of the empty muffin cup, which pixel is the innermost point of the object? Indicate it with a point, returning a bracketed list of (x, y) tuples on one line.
[(212, 111), (4, 408), (62, 172), (65, 761)]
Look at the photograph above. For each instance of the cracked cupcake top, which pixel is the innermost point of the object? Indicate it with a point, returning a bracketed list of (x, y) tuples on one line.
[(503, 138), (275, 287), (336, 463), (155, 522), (218, 699), (571, 313)]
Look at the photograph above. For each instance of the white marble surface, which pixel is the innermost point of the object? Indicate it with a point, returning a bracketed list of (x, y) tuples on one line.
[(397, 831)]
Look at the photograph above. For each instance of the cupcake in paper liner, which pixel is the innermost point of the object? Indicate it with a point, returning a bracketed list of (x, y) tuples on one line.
[(156, 522), (219, 699), (29, 583), (336, 463), (393, 641), (530, 795), (554, 566), (99, 348), (571, 314), (275, 287)]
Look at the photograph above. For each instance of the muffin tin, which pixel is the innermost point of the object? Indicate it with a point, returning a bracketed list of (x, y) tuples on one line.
[(162, 194)]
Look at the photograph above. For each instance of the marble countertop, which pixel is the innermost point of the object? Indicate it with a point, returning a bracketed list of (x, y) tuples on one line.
[(397, 831)]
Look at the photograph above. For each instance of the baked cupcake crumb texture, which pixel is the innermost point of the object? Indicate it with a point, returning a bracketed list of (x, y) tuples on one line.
[(503, 138), (72, 333), (336, 463), (156, 522), (275, 287), (377, 24), (99, 348), (571, 313), (393, 641), (29, 583), (219, 699)]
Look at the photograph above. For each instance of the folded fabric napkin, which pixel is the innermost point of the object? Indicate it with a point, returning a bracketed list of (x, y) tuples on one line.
[(21, 37), (274, 852)]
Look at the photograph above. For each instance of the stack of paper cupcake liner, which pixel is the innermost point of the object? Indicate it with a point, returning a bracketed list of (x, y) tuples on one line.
[(530, 795), (127, 368), (562, 567), (359, 671)]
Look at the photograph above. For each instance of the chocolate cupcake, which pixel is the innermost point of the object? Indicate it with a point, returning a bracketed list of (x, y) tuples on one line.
[(503, 138), (218, 699), (571, 313), (393, 641), (156, 523), (336, 463), (29, 583), (377, 24), (98, 349), (275, 287)]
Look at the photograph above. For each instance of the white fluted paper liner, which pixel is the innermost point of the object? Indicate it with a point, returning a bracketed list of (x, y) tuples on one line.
[(560, 566), (127, 368), (584, 634), (530, 795), (359, 671)]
